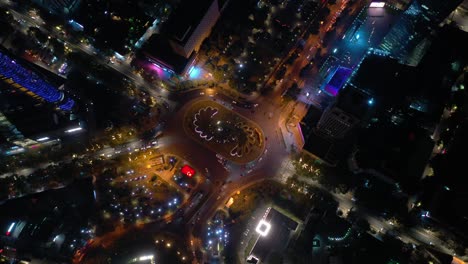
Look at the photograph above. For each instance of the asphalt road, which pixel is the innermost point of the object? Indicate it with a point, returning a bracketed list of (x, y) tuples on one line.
[(414, 235), (222, 183), (313, 43), (124, 68)]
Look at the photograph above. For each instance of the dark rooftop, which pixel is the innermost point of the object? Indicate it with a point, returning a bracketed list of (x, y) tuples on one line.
[(354, 102), (186, 18), (321, 147), (393, 83), (329, 151), (278, 237), (64, 210), (386, 77)]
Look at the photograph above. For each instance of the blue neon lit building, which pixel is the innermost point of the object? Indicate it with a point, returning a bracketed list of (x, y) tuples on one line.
[(336, 80), (26, 81)]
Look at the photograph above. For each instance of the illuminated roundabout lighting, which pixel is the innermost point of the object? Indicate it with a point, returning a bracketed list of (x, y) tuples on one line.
[(263, 228), (203, 115)]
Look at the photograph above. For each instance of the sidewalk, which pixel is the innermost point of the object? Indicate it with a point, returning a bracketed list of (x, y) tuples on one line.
[(292, 114)]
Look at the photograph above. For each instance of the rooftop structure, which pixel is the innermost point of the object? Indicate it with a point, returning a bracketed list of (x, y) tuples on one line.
[(409, 38), (335, 122), (406, 33), (328, 135), (27, 81), (409, 102), (426, 85), (274, 232), (337, 80), (47, 222), (174, 50), (31, 105), (190, 24), (386, 80)]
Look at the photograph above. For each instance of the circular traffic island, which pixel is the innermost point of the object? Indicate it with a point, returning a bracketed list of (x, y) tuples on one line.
[(225, 132)]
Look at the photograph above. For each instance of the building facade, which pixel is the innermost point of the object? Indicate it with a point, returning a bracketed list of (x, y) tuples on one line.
[(32, 110)]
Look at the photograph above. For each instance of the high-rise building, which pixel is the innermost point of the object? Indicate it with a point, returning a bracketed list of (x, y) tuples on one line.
[(175, 49), (406, 33), (32, 109), (402, 89), (400, 137), (190, 24), (408, 39), (330, 135), (340, 118), (20, 79)]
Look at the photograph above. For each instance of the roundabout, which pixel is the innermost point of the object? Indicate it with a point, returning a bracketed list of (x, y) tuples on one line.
[(225, 132)]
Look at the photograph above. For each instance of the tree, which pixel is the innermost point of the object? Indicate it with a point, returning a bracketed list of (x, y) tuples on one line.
[(58, 47), (7, 29), (275, 258), (363, 224), (154, 178), (324, 12)]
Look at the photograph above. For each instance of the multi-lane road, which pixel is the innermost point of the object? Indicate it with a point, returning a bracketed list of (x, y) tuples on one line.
[(414, 235), (122, 67), (269, 115), (312, 45), (220, 183)]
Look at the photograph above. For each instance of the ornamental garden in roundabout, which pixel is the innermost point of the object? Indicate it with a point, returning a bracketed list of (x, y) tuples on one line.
[(231, 135)]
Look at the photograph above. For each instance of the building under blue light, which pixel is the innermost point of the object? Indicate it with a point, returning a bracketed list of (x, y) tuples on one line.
[(336, 80), (25, 80), (31, 107)]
